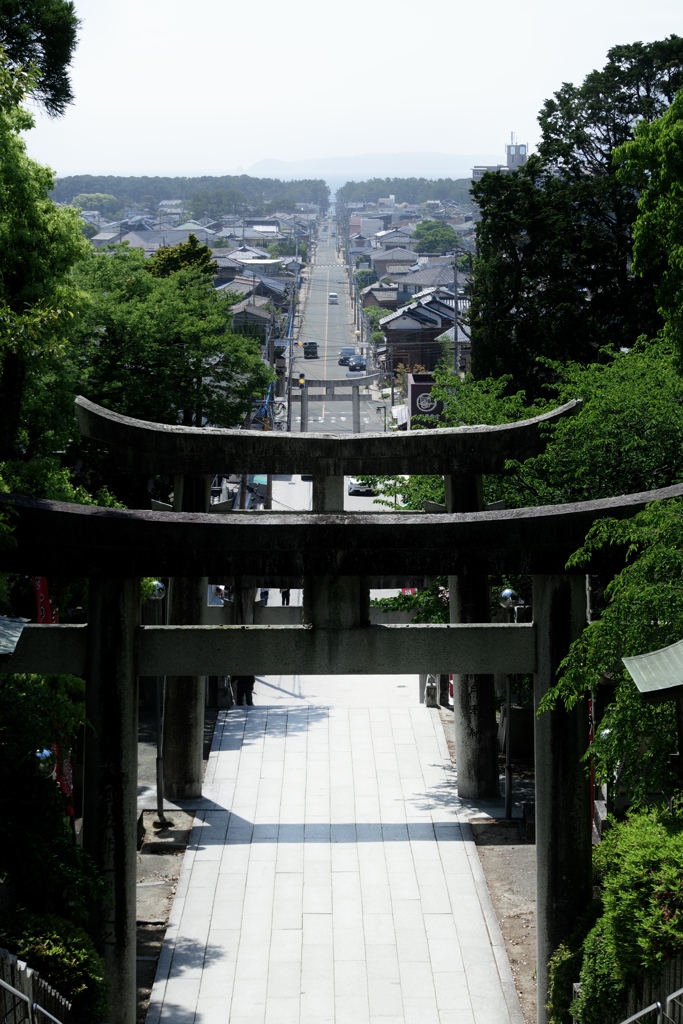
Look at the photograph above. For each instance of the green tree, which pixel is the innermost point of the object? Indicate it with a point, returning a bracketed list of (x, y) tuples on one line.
[(653, 163), (97, 201), (434, 236), (163, 348), (374, 314), (170, 259), (289, 247), (644, 612), (215, 202), (39, 244), (553, 275), (407, 190), (42, 33), (627, 437)]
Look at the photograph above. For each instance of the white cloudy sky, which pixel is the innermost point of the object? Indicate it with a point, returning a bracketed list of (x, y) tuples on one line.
[(209, 87)]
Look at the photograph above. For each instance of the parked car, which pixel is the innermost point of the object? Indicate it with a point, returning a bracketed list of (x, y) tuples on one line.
[(356, 486), (345, 354), (356, 363)]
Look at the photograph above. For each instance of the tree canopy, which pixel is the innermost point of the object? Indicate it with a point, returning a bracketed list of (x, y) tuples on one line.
[(39, 244), (168, 259), (215, 195), (407, 190), (42, 33), (434, 236), (653, 163), (553, 275), (163, 348), (96, 201)]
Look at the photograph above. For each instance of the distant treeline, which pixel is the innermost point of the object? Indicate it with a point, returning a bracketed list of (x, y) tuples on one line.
[(406, 190), (236, 193)]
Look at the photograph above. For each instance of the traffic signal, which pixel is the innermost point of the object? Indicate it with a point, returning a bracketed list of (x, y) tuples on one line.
[(302, 381)]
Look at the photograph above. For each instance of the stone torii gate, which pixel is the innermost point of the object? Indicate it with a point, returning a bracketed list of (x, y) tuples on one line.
[(331, 391), (339, 556)]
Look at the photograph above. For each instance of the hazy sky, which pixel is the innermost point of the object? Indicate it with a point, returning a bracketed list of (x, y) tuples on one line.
[(210, 87)]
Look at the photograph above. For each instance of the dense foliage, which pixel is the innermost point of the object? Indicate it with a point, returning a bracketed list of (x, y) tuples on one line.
[(435, 237), (39, 244), (48, 873), (644, 612), (42, 33), (229, 193), (162, 348), (169, 259), (635, 926), (553, 275), (626, 438), (407, 190), (65, 957), (653, 163)]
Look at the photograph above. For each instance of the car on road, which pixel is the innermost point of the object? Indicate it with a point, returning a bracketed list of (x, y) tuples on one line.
[(310, 349), (333, 299), (356, 363), (356, 486), (345, 354)]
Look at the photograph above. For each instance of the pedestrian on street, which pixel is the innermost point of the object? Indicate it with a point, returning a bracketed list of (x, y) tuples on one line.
[(264, 596), (284, 594), (244, 689)]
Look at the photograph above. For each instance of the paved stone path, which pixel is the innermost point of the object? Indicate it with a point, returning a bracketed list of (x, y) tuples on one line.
[(331, 877)]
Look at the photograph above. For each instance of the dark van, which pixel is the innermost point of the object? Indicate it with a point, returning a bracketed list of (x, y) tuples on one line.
[(310, 350)]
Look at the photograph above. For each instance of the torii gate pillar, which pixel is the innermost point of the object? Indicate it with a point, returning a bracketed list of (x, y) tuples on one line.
[(563, 825), (110, 795), (474, 705)]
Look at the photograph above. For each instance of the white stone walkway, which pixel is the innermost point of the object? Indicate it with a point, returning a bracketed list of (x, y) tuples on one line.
[(331, 877)]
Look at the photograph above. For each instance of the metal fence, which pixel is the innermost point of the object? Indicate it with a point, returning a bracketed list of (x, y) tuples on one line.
[(26, 997), (664, 987)]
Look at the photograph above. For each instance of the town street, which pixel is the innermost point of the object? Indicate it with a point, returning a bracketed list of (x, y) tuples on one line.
[(332, 327)]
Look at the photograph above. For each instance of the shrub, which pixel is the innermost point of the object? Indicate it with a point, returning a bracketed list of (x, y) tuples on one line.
[(49, 873), (65, 957), (638, 872)]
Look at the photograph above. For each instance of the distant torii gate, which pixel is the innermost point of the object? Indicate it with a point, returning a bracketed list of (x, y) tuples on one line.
[(340, 556), (313, 390)]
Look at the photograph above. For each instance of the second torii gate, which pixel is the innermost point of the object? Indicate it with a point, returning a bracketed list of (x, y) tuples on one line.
[(339, 556)]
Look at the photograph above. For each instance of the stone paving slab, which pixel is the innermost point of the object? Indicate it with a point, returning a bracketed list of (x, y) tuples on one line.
[(331, 874)]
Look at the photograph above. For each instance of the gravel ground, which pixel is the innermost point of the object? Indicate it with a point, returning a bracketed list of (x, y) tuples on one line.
[(509, 865)]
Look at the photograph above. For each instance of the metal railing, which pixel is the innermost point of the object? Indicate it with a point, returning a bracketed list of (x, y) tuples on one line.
[(25, 996), (642, 1014), (21, 1009), (673, 1002)]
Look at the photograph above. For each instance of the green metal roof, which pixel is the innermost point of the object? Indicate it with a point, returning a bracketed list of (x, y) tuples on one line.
[(659, 674)]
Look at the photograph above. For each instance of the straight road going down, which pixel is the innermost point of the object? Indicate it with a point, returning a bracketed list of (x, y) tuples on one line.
[(332, 327)]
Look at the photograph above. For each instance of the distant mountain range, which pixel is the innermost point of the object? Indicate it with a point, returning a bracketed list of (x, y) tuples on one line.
[(338, 170)]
